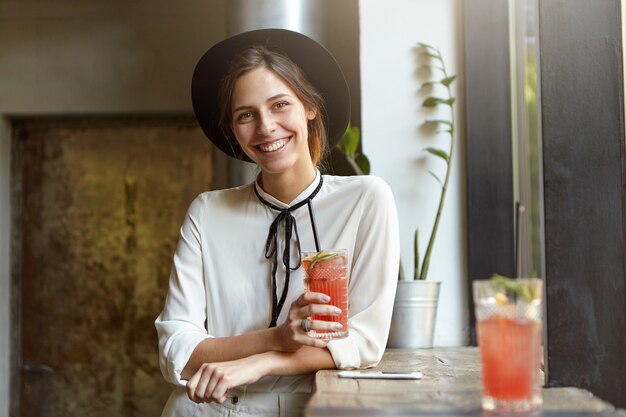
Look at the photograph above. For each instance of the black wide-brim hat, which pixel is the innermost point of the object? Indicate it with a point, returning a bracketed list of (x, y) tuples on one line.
[(319, 66)]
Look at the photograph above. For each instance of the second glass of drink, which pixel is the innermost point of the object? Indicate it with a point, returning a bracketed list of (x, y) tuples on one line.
[(509, 328)]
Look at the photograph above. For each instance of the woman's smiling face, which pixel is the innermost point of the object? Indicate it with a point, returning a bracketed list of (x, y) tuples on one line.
[(270, 122)]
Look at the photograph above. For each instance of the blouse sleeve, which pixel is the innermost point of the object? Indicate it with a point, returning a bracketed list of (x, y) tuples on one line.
[(373, 281), (181, 324)]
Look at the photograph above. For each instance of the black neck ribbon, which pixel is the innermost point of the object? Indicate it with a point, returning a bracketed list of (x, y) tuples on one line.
[(271, 244)]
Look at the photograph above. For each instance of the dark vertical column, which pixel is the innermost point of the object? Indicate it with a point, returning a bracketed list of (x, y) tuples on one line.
[(489, 146), (584, 175)]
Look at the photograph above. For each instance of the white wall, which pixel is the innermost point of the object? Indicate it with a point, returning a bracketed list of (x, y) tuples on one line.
[(391, 115)]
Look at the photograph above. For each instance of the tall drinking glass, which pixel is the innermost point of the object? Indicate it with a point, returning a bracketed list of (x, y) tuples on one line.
[(327, 272), (509, 328)]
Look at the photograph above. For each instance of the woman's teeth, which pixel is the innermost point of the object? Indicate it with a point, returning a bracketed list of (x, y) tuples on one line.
[(274, 146)]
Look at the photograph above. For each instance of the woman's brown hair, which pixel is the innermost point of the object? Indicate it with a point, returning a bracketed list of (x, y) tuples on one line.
[(262, 57)]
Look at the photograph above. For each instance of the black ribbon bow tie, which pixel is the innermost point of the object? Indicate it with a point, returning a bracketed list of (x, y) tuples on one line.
[(271, 244)]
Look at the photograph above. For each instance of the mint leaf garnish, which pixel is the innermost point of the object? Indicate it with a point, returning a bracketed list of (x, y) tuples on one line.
[(515, 286)]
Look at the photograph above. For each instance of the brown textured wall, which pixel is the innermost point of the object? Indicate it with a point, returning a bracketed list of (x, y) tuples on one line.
[(103, 200)]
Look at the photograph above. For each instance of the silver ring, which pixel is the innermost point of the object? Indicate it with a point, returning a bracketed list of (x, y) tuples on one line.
[(305, 325)]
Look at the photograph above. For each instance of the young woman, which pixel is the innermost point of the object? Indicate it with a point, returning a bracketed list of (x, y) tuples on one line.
[(233, 335)]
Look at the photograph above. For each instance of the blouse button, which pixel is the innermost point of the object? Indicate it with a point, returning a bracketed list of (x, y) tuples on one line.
[(235, 399)]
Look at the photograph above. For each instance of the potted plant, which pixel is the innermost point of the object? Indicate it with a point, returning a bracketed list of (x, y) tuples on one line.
[(415, 307)]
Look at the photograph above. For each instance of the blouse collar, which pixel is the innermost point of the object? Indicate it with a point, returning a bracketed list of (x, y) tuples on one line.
[(303, 195)]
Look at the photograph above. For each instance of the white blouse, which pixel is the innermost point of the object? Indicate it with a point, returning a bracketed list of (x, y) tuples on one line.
[(220, 284)]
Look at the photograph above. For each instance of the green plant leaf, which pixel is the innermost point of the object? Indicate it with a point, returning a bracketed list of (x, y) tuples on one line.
[(429, 83), (444, 130), (363, 163), (433, 101), (416, 255), (448, 80), (438, 152), (350, 140), (431, 55), (430, 66), (427, 46), (436, 177), (449, 101), (444, 122), (430, 102)]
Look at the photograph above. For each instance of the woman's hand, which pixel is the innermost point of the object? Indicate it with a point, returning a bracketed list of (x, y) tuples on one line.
[(213, 380), (291, 334)]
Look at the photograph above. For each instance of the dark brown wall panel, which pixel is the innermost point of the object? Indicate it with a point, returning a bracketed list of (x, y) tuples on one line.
[(102, 204)]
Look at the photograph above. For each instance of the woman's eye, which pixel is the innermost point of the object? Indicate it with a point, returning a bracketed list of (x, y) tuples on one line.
[(244, 116), (281, 104)]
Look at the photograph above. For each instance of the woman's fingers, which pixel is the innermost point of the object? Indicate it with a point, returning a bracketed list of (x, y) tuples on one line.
[(311, 304), (213, 380), (319, 310), (195, 385), (311, 297), (324, 325), (220, 389), (192, 384), (201, 386), (293, 333)]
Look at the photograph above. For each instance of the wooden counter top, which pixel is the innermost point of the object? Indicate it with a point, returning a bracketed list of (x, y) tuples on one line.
[(451, 385)]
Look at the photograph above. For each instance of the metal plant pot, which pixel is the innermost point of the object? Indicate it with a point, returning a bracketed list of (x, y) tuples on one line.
[(414, 314)]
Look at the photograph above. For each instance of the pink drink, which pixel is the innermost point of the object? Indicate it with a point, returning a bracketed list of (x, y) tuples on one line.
[(515, 343), (326, 273), (509, 333)]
